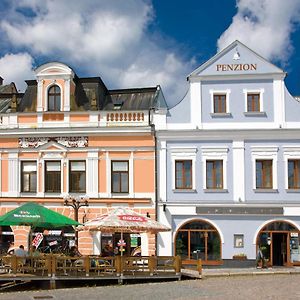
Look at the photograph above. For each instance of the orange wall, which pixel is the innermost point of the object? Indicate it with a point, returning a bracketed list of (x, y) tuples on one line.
[(27, 119), (29, 155), (9, 143), (102, 174), (4, 176), (79, 118), (121, 141), (144, 181)]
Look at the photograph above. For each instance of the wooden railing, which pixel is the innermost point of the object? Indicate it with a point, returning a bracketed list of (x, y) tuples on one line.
[(53, 265)]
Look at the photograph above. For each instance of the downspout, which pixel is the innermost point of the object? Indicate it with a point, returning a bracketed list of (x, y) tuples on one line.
[(155, 171)]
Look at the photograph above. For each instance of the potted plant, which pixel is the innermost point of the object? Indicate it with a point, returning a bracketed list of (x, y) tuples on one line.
[(240, 256)]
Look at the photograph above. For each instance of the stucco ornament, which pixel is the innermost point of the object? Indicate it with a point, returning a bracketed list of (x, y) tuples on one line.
[(69, 142)]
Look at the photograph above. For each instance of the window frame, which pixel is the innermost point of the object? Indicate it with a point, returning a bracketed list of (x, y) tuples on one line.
[(22, 176), (265, 153), (214, 174), (225, 93), (57, 103), (184, 186), (219, 99), (259, 92), (183, 153), (290, 152), (58, 176), (71, 190), (215, 153), (120, 180), (266, 163)]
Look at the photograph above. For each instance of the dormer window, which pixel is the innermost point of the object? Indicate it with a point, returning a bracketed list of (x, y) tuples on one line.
[(54, 96)]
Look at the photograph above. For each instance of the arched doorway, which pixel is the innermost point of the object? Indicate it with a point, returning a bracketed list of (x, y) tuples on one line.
[(198, 239), (279, 241)]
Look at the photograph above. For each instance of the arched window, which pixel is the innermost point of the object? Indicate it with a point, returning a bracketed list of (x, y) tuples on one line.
[(54, 96), (198, 239)]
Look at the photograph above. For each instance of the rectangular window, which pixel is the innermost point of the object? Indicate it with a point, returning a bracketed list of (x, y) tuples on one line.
[(253, 102), (214, 174), (219, 103), (183, 174), (294, 173), (77, 177), (120, 176), (28, 177), (264, 176), (52, 177), (238, 241)]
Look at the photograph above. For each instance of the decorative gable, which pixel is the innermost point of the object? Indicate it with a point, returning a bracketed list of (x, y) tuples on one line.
[(236, 59)]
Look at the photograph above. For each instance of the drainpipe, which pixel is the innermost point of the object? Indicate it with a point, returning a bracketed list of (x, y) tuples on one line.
[(155, 170)]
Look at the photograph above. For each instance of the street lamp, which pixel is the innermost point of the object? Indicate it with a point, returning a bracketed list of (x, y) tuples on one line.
[(76, 202)]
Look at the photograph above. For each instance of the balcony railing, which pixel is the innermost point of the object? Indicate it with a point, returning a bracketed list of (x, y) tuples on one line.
[(74, 119)]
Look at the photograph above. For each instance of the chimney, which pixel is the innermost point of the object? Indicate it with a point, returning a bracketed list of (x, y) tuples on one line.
[(1, 80), (13, 105)]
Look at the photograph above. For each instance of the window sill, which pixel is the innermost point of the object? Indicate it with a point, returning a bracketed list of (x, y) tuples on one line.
[(28, 194), (221, 115), (118, 195), (185, 191), (215, 191), (52, 195), (292, 190), (265, 191), (255, 114)]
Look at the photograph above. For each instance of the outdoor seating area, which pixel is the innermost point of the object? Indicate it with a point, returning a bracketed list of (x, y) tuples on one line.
[(35, 265), (60, 267)]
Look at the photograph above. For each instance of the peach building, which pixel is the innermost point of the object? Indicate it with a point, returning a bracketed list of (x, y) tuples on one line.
[(71, 137)]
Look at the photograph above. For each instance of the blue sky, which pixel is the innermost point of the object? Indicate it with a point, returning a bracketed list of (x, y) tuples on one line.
[(138, 43)]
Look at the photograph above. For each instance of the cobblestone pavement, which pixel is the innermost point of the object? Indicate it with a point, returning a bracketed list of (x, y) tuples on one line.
[(237, 287)]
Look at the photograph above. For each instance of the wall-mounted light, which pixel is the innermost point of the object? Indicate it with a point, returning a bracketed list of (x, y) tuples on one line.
[(148, 215)]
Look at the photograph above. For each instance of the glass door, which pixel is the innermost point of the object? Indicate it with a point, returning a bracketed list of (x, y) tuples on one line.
[(197, 245)]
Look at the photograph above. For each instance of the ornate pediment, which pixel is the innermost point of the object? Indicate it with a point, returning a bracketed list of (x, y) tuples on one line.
[(68, 142)]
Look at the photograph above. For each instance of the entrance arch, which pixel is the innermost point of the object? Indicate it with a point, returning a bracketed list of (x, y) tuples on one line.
[(279, 242), (198, 239)]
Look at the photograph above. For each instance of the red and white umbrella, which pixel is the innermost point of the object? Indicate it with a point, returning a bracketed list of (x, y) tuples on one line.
[(123, 220)]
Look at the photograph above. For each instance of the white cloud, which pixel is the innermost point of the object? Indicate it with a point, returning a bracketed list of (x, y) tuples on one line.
[(16, 68), (99, 37), (265, 26)]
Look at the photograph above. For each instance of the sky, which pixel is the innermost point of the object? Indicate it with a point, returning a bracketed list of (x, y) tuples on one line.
[(141, 43)]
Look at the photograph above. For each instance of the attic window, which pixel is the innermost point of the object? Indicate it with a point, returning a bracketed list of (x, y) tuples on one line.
[(117, 106)]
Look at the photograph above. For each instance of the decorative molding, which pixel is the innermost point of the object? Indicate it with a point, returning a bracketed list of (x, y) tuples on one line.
[(69, 142)]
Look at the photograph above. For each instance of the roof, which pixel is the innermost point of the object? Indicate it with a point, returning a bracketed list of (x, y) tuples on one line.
[(6, 95), (135, 99), (90, 93)]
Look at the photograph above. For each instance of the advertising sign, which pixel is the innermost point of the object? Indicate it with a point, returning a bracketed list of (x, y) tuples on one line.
[(38, 239)]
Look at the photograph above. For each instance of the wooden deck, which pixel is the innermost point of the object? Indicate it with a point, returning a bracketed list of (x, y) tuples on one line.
[(54, 267)]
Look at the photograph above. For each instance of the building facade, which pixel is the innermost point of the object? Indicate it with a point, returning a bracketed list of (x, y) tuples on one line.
[(229, 164), (72, 138)]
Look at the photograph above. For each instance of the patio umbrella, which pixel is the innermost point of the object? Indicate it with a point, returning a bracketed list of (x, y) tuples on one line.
[(123, 220), (35, 215)]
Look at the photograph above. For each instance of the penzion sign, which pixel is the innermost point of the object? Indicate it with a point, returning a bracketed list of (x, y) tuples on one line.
[(236, 67)]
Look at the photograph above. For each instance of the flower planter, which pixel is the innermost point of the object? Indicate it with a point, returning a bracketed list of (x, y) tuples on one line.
[(239, 257)]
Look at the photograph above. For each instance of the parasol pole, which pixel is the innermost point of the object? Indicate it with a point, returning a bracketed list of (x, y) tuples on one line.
[(122, 243)]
